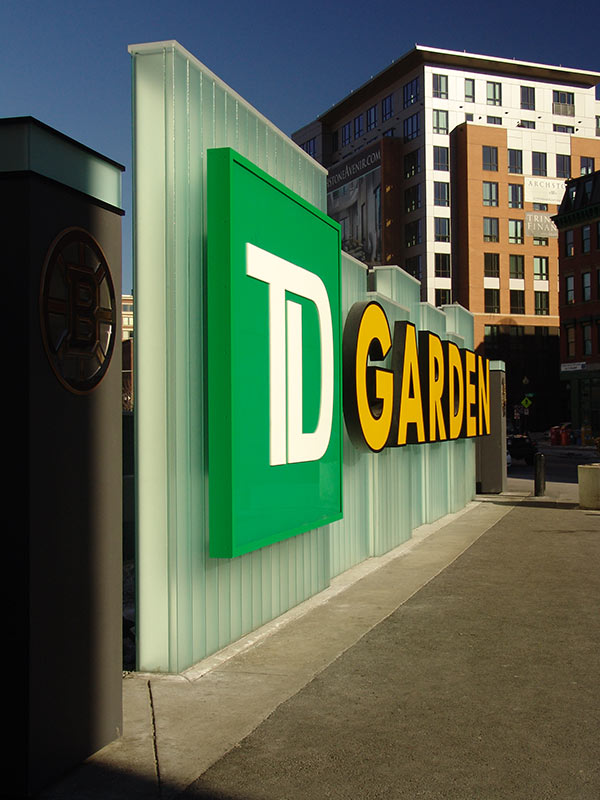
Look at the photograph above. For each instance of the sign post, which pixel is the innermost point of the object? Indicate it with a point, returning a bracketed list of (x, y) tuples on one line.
[(61, 228)]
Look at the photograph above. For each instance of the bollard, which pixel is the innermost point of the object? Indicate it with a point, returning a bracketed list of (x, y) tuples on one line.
[(588, 476), (540, 474)]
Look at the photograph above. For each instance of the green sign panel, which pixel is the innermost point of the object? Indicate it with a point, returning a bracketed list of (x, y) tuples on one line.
[(274, 365)]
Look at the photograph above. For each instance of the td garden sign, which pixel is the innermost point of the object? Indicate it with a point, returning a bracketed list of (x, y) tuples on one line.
[(276, 356)]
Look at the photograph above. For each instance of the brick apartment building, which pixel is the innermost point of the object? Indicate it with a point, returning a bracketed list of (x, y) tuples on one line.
[(578, 221), (451, 165)]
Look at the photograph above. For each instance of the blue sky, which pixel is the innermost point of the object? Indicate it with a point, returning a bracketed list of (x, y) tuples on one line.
[(66, 62)]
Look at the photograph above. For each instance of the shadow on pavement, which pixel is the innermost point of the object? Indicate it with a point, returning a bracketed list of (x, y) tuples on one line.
[(100, 782), (541, 502)]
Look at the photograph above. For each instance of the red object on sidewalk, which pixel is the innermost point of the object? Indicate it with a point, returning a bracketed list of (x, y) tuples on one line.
[(565, 437), (555, 435)]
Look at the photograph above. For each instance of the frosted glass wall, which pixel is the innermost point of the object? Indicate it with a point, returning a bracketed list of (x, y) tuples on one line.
[(190, 605), (398, 489)]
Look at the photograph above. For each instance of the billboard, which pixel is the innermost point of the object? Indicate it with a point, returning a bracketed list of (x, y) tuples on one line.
[(540, 225), (354, 200), (544, 190)]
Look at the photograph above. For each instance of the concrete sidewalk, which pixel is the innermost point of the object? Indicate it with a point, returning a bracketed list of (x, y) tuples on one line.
[(464, 665)]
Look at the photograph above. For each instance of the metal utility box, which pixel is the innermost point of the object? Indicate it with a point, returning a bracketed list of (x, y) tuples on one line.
[(491, 450)]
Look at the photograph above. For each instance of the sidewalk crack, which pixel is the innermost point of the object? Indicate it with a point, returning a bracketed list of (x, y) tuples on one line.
[(155, 743)]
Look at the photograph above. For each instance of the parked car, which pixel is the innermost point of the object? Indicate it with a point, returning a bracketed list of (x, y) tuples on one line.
[(521, 446)]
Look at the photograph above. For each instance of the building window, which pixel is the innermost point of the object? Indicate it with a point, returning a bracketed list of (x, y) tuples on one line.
[(490, 229), (412, 163), (572, 190), (587, 339), (515, 231), (413, 266), (539, 163), (527, 123), (410, 92), (586, 239), (570, 289), (443, 297), (440, 158), (517, 266), (586, 286), (412, 198), (346, 134), (389, 132), (494, 93), (492, 301), (310, 147), (442, 265), (563, 103), (597, 125), (587, 165), (345, 226), (540, 241), (441, 227), (440, 86), (563, 129), (571, 341), (358, 127), (411, 127), (469, 90), (515, 195), (569, 243), (440, 121), (540, 268), (491, 265), (515, 162), (468, 117), (517, 301), (540, 206), (563, 166), (494, 120), (371, 118), (541, 304), (386, 108), (412, 231), (490, 158), (441, 193), (490, 193), (528, 98)]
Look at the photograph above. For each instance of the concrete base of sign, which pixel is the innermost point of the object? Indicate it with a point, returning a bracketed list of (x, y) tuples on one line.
[(589, 485)]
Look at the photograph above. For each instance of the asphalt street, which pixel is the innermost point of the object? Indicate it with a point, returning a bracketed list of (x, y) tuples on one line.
[(561, 462)]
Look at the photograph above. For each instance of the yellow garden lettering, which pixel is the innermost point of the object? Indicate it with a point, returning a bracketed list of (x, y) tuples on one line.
[(431, 391)]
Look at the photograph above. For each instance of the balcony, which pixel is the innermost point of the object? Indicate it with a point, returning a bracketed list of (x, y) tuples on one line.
[(564, 109)]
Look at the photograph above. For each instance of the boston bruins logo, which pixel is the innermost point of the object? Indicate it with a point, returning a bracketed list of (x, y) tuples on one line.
[(78, 310)]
